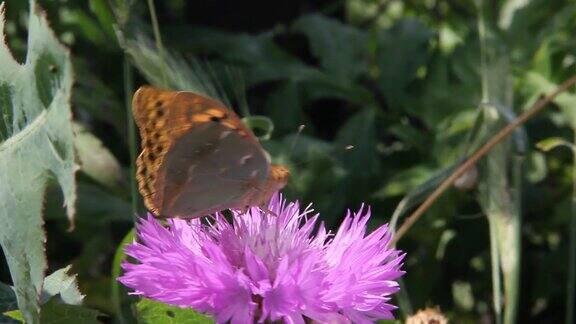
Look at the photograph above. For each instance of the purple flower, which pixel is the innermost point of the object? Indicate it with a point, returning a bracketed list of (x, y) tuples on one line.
[(267, 265)]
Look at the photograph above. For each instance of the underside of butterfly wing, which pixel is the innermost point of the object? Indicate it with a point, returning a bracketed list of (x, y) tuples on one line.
[(209, 169), (174, 125), (149, 109)]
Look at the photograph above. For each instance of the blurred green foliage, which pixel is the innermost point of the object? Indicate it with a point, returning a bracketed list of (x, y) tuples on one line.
[(398, 80)]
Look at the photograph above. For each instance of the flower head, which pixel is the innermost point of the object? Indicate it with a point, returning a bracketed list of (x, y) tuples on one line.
[(267, 265)]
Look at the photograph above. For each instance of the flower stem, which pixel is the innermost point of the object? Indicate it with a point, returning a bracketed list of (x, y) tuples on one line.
[(495, 270)]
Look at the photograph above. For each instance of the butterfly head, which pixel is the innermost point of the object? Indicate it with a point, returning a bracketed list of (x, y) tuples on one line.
[(278, 177)]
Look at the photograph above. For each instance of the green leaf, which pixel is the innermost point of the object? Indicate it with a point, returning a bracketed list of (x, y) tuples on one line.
[(8, 303), (61, 284), (262, 126), (462, 295), (15, 316), (418, 194), (402, 50), (95, 159), (40, 147), (405, 181), (360, 132), (543, 60), (90, 205), (87, 26), (551, 143), (537, 170), (537, 84), (56, 313), (457, 73), (508, 10), (283, 105), (167, 69), (273, 63), (105, 107), (104, 16), (7, 298), (121, 301), (151, 312), (318, 84), (341, 49), (410, 135)]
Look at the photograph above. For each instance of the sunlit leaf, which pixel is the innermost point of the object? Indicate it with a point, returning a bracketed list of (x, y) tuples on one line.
[(14, 316), (151, 312), (61, 299), (61, 284), (551, 143)]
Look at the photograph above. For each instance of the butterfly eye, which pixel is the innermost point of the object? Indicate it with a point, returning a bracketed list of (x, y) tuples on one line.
[(214, 119), (159, 103)]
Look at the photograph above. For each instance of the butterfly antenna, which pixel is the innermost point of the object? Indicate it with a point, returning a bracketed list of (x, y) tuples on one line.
[(295, 140), (291, 180), (329, 154)]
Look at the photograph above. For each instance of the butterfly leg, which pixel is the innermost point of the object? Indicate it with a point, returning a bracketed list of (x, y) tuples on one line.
[(244, 209), (267, 211)]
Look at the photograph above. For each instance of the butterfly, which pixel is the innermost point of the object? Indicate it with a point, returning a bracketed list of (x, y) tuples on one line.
[(198, 157)]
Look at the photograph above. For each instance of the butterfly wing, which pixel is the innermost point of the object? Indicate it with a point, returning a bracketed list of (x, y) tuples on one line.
[(197, 156), (150, 107), (209, 169)]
